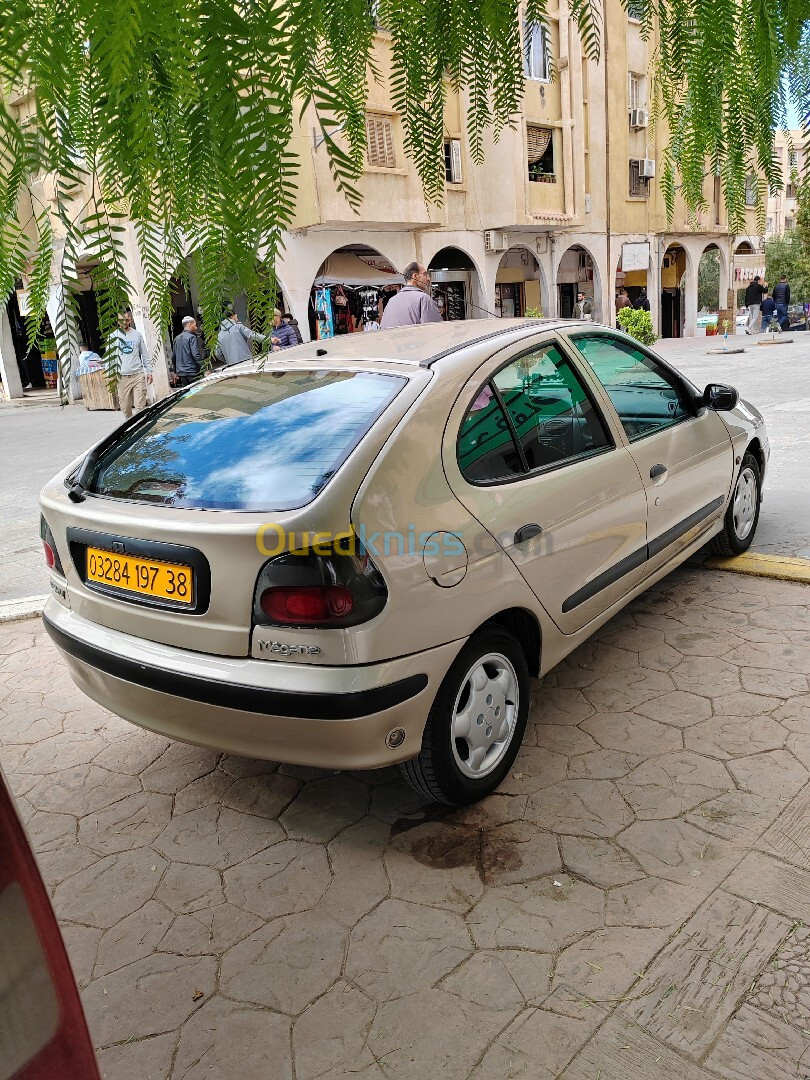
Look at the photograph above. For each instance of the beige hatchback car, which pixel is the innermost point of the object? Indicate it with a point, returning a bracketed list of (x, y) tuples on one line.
[(359, 553)]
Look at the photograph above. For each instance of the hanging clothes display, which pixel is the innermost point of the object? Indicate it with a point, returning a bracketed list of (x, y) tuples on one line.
[(323, 314)]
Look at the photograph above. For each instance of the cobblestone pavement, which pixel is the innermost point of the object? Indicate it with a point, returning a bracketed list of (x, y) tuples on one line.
[(632, 905)]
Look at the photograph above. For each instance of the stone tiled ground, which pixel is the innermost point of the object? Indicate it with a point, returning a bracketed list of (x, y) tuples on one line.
[(630, 906)]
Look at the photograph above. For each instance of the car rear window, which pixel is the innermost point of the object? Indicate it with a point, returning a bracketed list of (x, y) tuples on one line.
[(267, 440)]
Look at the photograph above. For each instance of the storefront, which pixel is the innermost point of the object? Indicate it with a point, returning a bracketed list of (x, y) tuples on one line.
[(453, 283), (350, 292)]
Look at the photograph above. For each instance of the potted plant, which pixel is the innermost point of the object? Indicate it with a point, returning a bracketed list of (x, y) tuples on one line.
[(637, 324)]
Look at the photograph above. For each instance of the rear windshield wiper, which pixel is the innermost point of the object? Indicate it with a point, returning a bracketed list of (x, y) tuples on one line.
[(78, 489)]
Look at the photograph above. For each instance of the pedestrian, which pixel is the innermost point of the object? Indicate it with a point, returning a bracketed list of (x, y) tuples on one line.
[(187, 360), (781, 297), (89, 360), (282, 335), (134, 372), (643, 302), (287, 318), (413, 303), (234, 338), (753, 301), (622, 301), (583, 308), (767, 309)]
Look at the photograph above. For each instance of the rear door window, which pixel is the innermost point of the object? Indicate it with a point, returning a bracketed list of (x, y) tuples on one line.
[(267, 440)]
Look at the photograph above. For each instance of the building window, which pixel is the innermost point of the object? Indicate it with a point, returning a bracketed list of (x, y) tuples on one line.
[(380, 141), (750, 191), (536, 52), (790, 191), (769, 225), (793, 161), (635, 10), (540, 153), (452, 161), (788, 224), (639, 185), (636, 91)]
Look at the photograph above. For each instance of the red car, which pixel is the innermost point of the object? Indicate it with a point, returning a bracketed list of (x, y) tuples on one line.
[(43, 1032)]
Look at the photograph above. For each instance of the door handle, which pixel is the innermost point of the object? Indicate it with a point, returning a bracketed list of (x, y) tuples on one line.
[(527, 532), (657, 470)]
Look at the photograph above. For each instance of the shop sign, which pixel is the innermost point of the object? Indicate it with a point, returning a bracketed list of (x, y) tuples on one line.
[(635, 257)]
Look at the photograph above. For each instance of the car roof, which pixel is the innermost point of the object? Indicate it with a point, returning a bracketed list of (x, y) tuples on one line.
[(420, 346)]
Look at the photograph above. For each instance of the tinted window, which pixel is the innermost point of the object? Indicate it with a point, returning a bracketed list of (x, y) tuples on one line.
[(260, 441), (550, 412), (644, 393)]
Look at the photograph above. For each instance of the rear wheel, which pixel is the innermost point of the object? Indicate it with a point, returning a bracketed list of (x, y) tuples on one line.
[(476, 725), (742, 516)]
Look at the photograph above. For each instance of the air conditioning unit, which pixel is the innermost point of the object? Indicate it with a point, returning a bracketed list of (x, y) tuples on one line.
[(495, 240), (646, 168), (639, 118)]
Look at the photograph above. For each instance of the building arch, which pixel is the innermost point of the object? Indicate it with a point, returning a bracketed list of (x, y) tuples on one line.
[(520, 283), (456, 284), (349, 290), (577, 270), (678, 289)]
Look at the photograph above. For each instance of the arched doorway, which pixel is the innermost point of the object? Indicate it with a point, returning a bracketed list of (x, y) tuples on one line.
[(632, 275), (748, 263), (350, 291), (519, 284), (577, 272), (710, 288), (673, 276), (454, 284)]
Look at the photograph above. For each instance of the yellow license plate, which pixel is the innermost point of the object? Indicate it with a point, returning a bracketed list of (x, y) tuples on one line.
[(142, 577)]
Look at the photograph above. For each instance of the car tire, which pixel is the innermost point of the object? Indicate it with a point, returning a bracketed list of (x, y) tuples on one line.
[(742, 515), (484, 694)]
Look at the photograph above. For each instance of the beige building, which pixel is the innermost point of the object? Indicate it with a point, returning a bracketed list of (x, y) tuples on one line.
[(791, 153), (567, 199)]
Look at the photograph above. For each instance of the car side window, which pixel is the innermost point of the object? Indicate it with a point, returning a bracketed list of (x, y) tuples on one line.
[(533, 414), (644, 393)]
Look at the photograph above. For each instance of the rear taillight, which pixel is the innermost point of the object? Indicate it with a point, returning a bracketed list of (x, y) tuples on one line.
[(318, 590), (49, 546)]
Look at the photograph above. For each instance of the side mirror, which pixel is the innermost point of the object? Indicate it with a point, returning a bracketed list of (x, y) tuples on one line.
[(720, 398)]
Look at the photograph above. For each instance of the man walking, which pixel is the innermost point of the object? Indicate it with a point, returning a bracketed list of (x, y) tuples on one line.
[(753, 300), (583, 308), (134, 371), (781, 297), (186, 353), (767, 310), (643, 302), (413, 303), (234, 338)]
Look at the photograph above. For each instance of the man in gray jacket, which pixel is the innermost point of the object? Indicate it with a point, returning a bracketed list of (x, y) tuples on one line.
[(234, 338), (134, 370), (413, 303), (186, 353)]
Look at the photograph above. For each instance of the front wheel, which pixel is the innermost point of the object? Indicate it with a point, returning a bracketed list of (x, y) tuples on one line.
[(476, 725), (742, 515)]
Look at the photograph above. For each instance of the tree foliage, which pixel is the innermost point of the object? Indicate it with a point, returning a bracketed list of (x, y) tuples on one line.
[(709, 281), (638, 324), (181, 116)]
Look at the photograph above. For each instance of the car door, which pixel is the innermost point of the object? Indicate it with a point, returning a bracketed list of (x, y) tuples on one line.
[(683, 450), (528, 453)]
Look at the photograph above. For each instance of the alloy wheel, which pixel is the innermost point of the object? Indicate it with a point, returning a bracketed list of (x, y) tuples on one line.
[(744, 503), (484, 715)]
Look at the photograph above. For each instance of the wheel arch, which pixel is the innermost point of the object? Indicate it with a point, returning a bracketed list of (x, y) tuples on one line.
[(523, 625), (755, 447)]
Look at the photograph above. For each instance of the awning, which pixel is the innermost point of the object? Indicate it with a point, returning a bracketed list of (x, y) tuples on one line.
[(346, 268)]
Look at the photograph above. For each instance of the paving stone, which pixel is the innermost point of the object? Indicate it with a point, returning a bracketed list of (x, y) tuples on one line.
[(60, 751), (286, 964), (359, 844), (794, 713), (324, 807), (695, 983), (766, 881), (581, 808), (81, 790), (110, 889), (680, 852), (779, 657), (564, 739), (653, 902), (149, 997), (742, 703), (602, 765), (535, 768), (621, 691), (783, 989), (351, 894), (217, 837), (133, 752), (401, 948), (735, 815), (789, 836), (730, 737), (708, 676), (330, 1037), (660, 658), (484, 980), (541, 1042), (633, 734), (691, 641), (288, 877), (531, 972), (622, 1051), (604, 964), (131, 938), (186, 887), (559, 705), (541, 916), (206, 790), (460, 1031), (135, 821), (757, 1045), (237, 767), (775, 770), (397, 801), (436, 863), (671, 784), (177, 766), (224, 1040), (601, 861), (146, 1059), (209, 932), (81, 943), (265, 796)]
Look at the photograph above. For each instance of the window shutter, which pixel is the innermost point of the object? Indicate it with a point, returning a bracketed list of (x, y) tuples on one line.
[(455, 161), (380, 141), (537, 142)]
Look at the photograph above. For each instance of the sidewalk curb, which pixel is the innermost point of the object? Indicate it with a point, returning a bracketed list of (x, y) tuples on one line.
[(28, 607), (782, 567)]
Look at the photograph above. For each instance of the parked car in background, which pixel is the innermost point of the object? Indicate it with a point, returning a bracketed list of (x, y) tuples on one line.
[(358, 553), (43, 1032)]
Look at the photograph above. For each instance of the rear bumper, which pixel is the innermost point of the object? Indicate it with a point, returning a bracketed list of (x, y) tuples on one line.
[(331, 717)]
